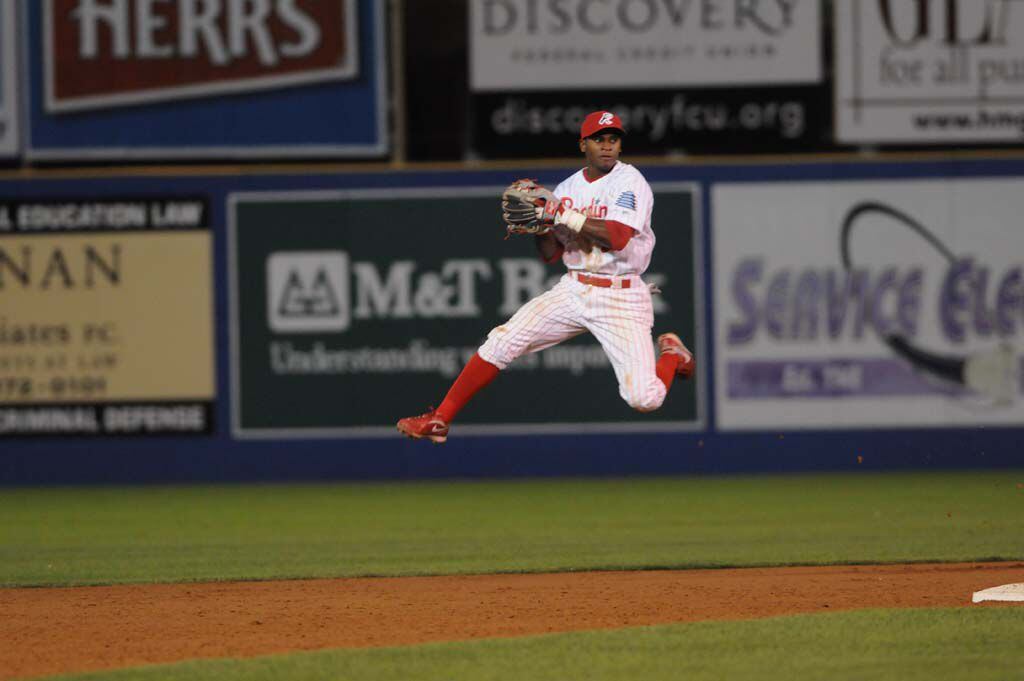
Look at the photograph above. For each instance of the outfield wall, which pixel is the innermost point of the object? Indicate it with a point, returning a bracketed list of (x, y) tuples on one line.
[(264, 327)]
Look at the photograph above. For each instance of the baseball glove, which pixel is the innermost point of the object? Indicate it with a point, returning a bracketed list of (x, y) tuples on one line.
[(528, 207)]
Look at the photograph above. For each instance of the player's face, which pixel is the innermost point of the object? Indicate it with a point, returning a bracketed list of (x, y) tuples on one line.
[(602, 151)]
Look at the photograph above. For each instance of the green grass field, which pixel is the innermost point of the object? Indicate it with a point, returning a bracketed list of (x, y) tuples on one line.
[(171, 534), (67, 536), (911, 645)]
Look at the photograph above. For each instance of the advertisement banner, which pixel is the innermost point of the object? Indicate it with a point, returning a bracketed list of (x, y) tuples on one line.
[(360, 307), (185, 53), (107, 322), (580, 44), (139, 79), (699, 121), (929, 72), (10, 135), (869, 304)]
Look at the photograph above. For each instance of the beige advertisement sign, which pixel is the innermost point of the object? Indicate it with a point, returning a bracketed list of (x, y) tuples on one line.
[(582, 44), (929, 72), (111, 329)]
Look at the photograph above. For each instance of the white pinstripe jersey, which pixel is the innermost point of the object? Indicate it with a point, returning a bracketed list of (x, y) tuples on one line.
[(622, 195)]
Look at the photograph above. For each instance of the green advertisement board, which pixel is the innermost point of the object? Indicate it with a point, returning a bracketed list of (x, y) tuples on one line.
[(352, 309)]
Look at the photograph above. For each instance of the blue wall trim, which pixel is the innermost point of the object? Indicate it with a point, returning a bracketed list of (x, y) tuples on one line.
[(39, 461)]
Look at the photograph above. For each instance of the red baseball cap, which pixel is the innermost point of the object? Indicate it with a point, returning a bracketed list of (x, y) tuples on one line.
[(600, 120)]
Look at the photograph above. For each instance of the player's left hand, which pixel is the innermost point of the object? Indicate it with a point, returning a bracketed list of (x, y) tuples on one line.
[(528, 207)]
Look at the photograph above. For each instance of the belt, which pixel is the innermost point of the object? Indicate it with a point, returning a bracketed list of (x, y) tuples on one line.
[(602, 282)]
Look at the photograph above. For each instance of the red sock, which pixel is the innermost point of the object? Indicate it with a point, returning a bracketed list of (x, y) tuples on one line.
[(476, 374), (666, 368)]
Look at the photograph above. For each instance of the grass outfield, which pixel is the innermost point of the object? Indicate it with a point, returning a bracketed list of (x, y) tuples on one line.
[(908, 645), (65, 536)]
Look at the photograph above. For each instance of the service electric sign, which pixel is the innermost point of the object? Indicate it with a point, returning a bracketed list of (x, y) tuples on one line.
[(864, 304), (552, 44)]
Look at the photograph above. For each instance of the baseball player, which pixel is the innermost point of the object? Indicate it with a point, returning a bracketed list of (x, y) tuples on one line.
[(598, 222)]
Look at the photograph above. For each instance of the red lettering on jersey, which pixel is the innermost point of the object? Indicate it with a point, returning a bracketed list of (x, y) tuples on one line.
[(595, 210)]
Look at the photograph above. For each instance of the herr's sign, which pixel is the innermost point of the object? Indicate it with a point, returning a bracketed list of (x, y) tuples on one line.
[(103, 54), (554, 44), (356, 303), (148, 79)]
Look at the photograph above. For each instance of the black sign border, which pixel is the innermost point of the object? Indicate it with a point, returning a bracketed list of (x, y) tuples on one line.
[(238, 432)]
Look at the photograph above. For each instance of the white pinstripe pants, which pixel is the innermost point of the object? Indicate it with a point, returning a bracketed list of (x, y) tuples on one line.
[(620, 319)]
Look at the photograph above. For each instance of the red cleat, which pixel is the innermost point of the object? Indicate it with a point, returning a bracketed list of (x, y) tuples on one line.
[(429, 426), (669, 344)]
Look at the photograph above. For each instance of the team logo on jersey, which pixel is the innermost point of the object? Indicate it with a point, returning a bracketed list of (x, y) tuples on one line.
[(606, 118), (104, 54), (626, 199), (308, 291)]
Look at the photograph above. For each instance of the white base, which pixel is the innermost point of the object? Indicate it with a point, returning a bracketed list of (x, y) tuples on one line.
[(1006, 592)]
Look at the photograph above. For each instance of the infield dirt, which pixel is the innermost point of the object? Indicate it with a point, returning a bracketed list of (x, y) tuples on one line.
[(63, 630)]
